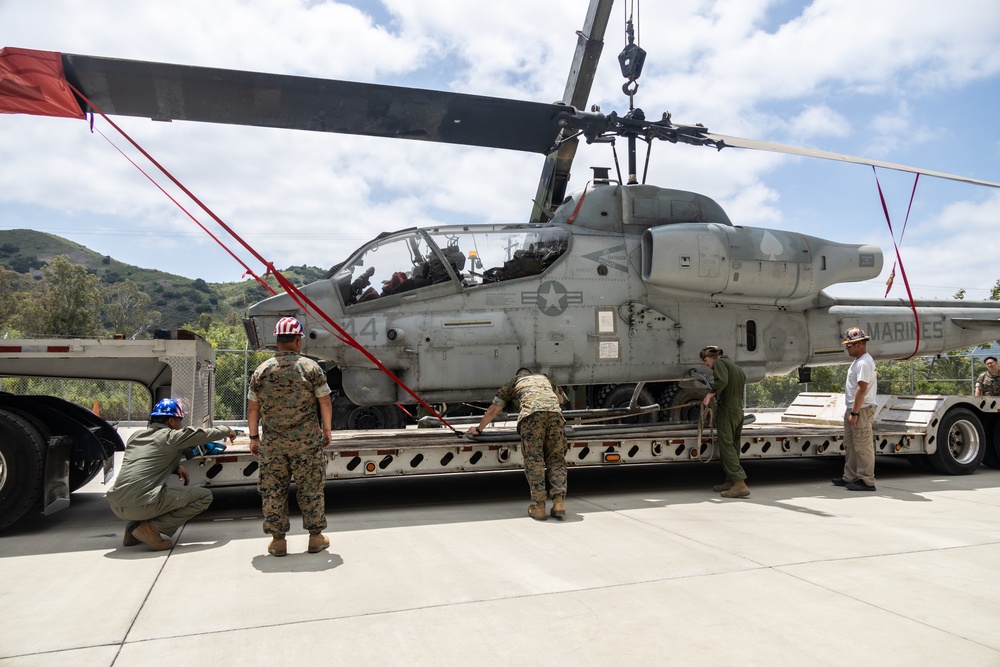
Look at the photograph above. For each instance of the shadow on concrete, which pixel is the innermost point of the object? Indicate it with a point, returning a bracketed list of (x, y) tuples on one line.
[(301, 562), (368, 504)]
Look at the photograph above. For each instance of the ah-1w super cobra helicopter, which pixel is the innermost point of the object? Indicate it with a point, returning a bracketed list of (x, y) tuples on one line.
[(616, 284)]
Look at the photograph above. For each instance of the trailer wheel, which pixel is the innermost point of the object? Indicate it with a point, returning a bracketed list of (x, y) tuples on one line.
[(619, 396), (22, 464), (348, 416), (961, 443)]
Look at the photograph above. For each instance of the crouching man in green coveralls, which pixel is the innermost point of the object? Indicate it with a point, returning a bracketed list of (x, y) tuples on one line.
[(140, 494), (543, 440), (730, 381)]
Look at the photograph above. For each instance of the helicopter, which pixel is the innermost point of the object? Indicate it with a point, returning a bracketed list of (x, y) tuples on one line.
[(617, 284)]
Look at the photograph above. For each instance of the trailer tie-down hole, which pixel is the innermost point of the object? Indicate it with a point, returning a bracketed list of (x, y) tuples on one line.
[(416, 460), (679, 450), (583, 453), (745, 448), (250, 469), (805, 446), (213, 471), (474, 459), (503, 454), (446, 459), (632, 452), (384, 463), (767, 446), (354, 463)]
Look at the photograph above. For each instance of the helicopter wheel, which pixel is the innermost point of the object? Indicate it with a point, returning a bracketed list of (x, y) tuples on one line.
[(685, 405), (619, 396), (350, 417)]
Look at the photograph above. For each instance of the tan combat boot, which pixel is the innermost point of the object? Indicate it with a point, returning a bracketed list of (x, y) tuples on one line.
[(318, 542), (537, 510), (725, 486), (558, 506), (130, 540), (151, 537), (278, 546), (739, 490)]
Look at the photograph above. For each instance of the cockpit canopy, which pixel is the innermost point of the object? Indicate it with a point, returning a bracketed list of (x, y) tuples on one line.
[(467, 256)]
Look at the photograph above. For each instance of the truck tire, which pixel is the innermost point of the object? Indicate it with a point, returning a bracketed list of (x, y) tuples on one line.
[(22, 465), (961, 443), (619, 396), (351, 417)]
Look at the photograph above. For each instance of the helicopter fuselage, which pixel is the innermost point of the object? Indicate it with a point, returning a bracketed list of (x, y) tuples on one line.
[(626, 284)]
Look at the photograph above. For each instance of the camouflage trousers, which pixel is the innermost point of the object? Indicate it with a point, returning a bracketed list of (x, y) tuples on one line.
[(279, 464), (543, 448)]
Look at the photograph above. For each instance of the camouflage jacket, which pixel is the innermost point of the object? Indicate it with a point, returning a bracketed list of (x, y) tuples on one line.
[(990, 384), (535, 393), (286, 387)]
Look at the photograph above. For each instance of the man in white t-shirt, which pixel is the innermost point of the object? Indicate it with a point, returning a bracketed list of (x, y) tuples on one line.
[(860, 391)]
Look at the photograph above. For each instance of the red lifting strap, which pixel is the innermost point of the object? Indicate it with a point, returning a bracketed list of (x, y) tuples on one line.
[(899, 258)]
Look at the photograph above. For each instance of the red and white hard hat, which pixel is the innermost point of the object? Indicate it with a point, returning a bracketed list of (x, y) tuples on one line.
[(288, 326)]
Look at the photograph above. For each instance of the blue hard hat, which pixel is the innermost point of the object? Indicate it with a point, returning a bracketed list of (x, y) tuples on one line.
[(167, 407)]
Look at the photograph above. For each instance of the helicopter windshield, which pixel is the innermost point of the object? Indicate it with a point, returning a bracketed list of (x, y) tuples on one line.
[(409, 261)]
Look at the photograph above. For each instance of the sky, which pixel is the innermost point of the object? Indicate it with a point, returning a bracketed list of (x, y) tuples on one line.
[(915, 82)]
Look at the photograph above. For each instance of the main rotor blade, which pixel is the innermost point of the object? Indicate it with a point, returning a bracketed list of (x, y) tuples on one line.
[(737, 142), (179, 92)]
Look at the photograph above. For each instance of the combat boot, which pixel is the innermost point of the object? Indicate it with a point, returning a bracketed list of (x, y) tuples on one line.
[(318, 542), (278, 546), (725, 486), (739, 490), (558, 506), (537, 510), (151, 537), (130, 540)]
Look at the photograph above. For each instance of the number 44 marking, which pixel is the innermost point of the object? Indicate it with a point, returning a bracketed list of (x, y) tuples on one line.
[(367, 328)]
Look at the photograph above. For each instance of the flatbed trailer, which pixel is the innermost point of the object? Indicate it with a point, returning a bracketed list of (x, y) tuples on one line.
[(943, 433)]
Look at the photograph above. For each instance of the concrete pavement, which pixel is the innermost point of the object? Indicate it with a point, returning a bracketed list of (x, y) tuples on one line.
[(649, 567)]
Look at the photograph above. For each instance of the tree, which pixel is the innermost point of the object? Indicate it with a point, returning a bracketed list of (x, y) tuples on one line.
[(127, 308), (13, 292), (66, 303)]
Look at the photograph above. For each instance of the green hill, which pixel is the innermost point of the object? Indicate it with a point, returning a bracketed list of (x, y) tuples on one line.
[(180, 300)]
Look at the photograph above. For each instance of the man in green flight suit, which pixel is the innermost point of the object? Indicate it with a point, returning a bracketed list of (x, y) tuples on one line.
[(730, 381), (140, 494)]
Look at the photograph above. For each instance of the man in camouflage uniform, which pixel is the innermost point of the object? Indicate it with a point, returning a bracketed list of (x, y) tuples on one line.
[(285, 391), (543, 440), (988, 382)]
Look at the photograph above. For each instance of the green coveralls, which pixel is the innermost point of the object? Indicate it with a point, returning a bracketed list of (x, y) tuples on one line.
[(730, 381), (141, 493)]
